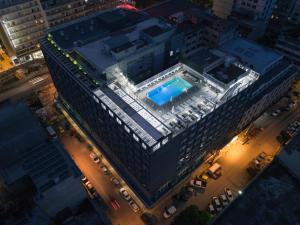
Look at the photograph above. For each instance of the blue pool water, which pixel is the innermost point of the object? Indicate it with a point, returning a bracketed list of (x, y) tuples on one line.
[(168, 91)]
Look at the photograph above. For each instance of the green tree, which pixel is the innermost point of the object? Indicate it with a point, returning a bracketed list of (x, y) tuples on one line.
[(192, 216)]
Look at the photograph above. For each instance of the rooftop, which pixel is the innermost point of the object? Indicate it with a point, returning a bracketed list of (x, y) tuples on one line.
[(272, 199), (256, 56), (180, 95), (94, 27), (25, 149), (289, 157), (110, 48)]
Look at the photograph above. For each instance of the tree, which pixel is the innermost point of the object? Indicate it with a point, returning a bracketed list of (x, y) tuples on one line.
[(192, 216)]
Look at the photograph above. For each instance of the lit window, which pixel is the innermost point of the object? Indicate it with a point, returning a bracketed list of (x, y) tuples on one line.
[(127, 129), (118, 121), (103, 106), (155, 147), (135, 137), (165, 141), (110, 113)]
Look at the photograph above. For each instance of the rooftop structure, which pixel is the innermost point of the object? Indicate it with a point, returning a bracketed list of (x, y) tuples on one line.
[(174, 99), (257, 57)]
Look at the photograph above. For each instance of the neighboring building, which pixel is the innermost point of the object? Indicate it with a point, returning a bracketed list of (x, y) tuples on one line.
[(289, 47), (109, 80), (277, 75), (289, 157), (283, 9), (33, 165), (261, 9), (23, 22), (199, 27), (295, 15), (271, 199), (93, 6), (57, 12), (222, 8)]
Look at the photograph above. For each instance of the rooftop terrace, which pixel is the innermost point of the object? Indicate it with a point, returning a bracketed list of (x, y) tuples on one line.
[(179, 96)]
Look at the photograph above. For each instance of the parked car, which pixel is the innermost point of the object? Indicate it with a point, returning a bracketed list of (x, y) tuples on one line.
[(90, 147), (94, 157), (229, 194), (84, 180), (261, 157), (169, 211), (276, 113), (211, 209), (114, 203), (197, 184), (224, 200), (115, 181), (104, 170), (216, 202), (202, 177), (125, 194), (134, 206)]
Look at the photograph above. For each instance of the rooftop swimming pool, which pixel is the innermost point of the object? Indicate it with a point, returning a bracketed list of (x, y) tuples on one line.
[(168, 91)]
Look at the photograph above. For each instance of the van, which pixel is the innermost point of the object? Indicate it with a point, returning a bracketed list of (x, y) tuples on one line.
[(215, 171)]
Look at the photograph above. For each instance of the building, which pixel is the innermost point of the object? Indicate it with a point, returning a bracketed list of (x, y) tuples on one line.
[(57, 12), (290, 156), (23, 22), (223, 8), (261, 9), (283, 9), (33, 165), (112, 86), (277, 74), (289, 46), (200, 28), (295, 14), (274, 187)]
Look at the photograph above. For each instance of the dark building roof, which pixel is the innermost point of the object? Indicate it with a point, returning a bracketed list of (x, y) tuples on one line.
[(26, 149)]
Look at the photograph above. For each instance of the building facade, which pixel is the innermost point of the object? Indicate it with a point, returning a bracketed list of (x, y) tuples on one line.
[(262, 9)]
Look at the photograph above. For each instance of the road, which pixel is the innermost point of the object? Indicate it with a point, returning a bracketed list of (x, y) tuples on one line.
[(101, 182), (26, 88), (234, 159)]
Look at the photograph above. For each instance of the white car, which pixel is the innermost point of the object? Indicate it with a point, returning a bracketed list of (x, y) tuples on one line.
[(169, 212), (134, 206), (224, 200), (211, 209), (125, 194), (216, 202), (276, 112), (229, 194), (94, 157), (115, 181), (197, 183)]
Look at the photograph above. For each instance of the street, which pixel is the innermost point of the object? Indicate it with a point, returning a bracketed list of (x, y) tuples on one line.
[(234, 159), (26, 88)]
